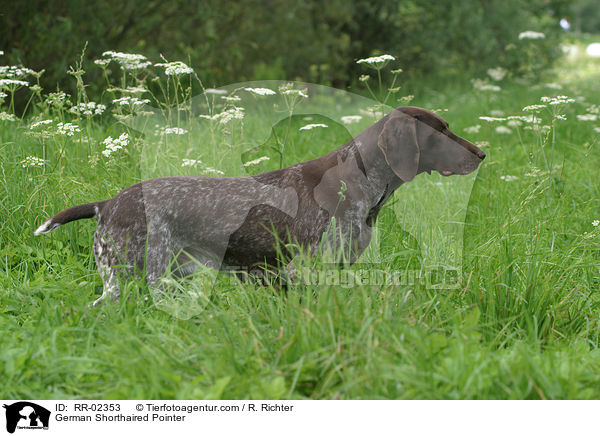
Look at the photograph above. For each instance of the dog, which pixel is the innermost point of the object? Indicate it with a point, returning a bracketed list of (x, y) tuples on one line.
[(239, 222)]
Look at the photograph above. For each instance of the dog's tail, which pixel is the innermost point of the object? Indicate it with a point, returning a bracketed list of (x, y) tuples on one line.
[(89, 210)]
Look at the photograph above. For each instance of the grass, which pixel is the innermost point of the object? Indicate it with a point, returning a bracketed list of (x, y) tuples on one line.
[(523, 323)]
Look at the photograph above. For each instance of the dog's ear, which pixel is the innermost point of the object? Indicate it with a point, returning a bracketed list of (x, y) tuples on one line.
[(398, 142)]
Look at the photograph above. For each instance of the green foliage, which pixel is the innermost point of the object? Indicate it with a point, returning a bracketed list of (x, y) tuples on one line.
[(228, 41)]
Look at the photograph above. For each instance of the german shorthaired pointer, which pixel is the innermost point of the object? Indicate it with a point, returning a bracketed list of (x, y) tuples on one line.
[(234, 222)]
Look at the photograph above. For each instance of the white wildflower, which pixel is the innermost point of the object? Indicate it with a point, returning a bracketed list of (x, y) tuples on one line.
[(57, 99), (256, 161), (560, 117), (312, 126), (492, 119), (131, 101), (593, 109), (67, 129), (514, 123), (559, 99), (587, 117), (209, 170), (175, 131), (530, 34), (525, 118), (3, 95), (40, 123), (503, 130), (497, 73), (89, 109), (176, 68), (373, 111), (12, 71), (215, 91), (32, 161), (597, 129), (509, 178), (1, 52), (231, 98), (5, 116), (128, 61), (235, 113), (473, 129), (190, 163), (595, 223), (569, 49), (112, 145), (102, 62), (483, 85), (133, 90), (261, 91), (377, 62), (534, 108), (9, 82), (299, 92), (350, 119), (593, 50)]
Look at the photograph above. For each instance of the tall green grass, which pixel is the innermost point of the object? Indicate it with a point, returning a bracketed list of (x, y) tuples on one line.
[(522, 324)]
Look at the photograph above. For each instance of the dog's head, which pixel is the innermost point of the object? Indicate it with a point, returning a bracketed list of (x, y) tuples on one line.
[(416, 140)]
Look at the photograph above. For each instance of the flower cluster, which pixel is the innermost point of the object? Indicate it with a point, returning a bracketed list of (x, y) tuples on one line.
[(40, 123), (5, 116), (176, 68), (350, 119), (483, 85), (131, 101), (559, 99), (587, 117), (261, 91), (13, 71), (209, 170), (235, 113), (473, 129), (175, 131), (32, 161), (534, 108), (57, 99), (298, 92), (256, 161), (497, 73), (190, 163), (199, 164), (377, 62), (530, 34), (88, 109), (127, 61), (312, 126), (67, 129), (13, 82), (113, 145)]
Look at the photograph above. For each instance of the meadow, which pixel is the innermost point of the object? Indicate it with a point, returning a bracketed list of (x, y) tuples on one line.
[(523, 323)]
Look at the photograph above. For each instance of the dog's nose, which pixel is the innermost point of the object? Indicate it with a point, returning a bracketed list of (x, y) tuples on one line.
[(481, 154)]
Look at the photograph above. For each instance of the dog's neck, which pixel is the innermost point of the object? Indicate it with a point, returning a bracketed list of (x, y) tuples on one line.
[(381, 181)]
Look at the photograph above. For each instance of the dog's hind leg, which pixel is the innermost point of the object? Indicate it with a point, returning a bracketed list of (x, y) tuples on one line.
[(103, 253)]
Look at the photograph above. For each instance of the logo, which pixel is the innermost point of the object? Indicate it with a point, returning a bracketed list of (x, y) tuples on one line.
[(26, 415)]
